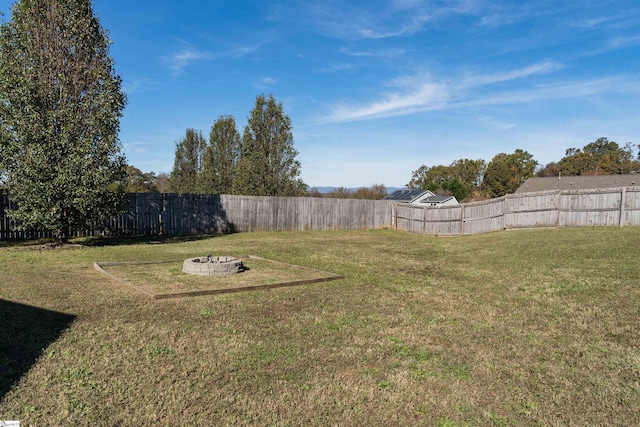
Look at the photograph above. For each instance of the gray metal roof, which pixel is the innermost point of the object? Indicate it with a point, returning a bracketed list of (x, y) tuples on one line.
[(405, 195), (581, 182), (437, 199)]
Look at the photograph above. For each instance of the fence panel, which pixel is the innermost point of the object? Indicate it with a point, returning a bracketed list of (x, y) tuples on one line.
[(410, 218), (531, 210), (483, 217), (590, 208), (632, 206), (444, 220)]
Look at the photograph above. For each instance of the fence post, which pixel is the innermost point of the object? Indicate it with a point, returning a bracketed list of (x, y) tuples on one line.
[(558, 208), (394, 216), (462, 220), (623, 196)]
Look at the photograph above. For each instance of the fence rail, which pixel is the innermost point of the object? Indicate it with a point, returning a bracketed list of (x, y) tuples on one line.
[(172, 214)]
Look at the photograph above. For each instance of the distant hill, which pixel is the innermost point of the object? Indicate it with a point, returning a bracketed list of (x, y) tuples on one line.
[(325, 190)]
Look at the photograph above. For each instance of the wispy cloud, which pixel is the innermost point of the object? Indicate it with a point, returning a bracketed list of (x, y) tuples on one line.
[(383, 53), (187, 54), (415, 94), (591, 22), (559, 90), (622, 42), (138, 85), (377, 31), (372, 20), (496, 123), (183, 57), (265, 83), (239, 50), (627, 19), (414, 98), (336, 68), (135, 147), (487, 79)]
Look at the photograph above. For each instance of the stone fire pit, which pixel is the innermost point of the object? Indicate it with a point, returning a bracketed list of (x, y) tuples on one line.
[(212, 266)]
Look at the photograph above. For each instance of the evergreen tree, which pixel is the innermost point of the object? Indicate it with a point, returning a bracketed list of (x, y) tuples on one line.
[(220, 157), (268, 164), (60, 106), (187, 165)]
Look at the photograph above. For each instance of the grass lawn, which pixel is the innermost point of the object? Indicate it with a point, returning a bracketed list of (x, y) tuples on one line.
[(166, 279), (526, 328)]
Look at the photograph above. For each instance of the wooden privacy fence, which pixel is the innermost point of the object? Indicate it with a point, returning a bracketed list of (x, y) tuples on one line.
[(606, 207), (172, 214)]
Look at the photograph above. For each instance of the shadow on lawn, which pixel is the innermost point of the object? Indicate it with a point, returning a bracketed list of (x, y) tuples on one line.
[(25, 331), (146, 240)]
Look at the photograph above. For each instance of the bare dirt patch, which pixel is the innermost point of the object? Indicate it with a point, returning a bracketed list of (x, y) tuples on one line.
[(165, 279)]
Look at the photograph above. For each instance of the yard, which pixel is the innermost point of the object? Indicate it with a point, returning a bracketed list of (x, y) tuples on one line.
[(529, 327)]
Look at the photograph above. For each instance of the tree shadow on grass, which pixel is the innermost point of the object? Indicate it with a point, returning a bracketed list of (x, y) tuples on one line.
[(25, 331), (145, 240)]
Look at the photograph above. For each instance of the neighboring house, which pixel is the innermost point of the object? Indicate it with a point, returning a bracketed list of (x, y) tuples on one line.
[(439, 201), (582, 182), (409, 196)]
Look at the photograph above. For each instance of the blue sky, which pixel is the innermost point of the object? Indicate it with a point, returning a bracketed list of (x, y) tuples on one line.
[(374, 89)]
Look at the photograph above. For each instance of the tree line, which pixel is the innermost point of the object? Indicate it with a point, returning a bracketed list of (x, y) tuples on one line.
[(468, 179), (477, 180), (263, 162)]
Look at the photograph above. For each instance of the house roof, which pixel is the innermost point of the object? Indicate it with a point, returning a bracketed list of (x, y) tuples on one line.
[(581, 182), (437, 199), (406, 195)]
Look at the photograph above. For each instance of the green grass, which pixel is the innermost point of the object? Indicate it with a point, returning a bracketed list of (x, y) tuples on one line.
[(168, 278), (527, 328)]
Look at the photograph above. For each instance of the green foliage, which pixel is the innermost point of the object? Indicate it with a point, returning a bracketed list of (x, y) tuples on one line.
[(506, 172), (456, 189), (140, 182), (601, 157), (220, 158), (375, 192), (188, 163), (550, 169), (61, 102), (459, 179), (340, 193), (268, 164)]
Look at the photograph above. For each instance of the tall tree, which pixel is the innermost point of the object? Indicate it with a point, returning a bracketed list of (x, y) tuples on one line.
[(187, 164), (140, 182), (468, 173), (60, 108), (220, 157), (429, 178), (459, 179), (268, 165), (506, 172)]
